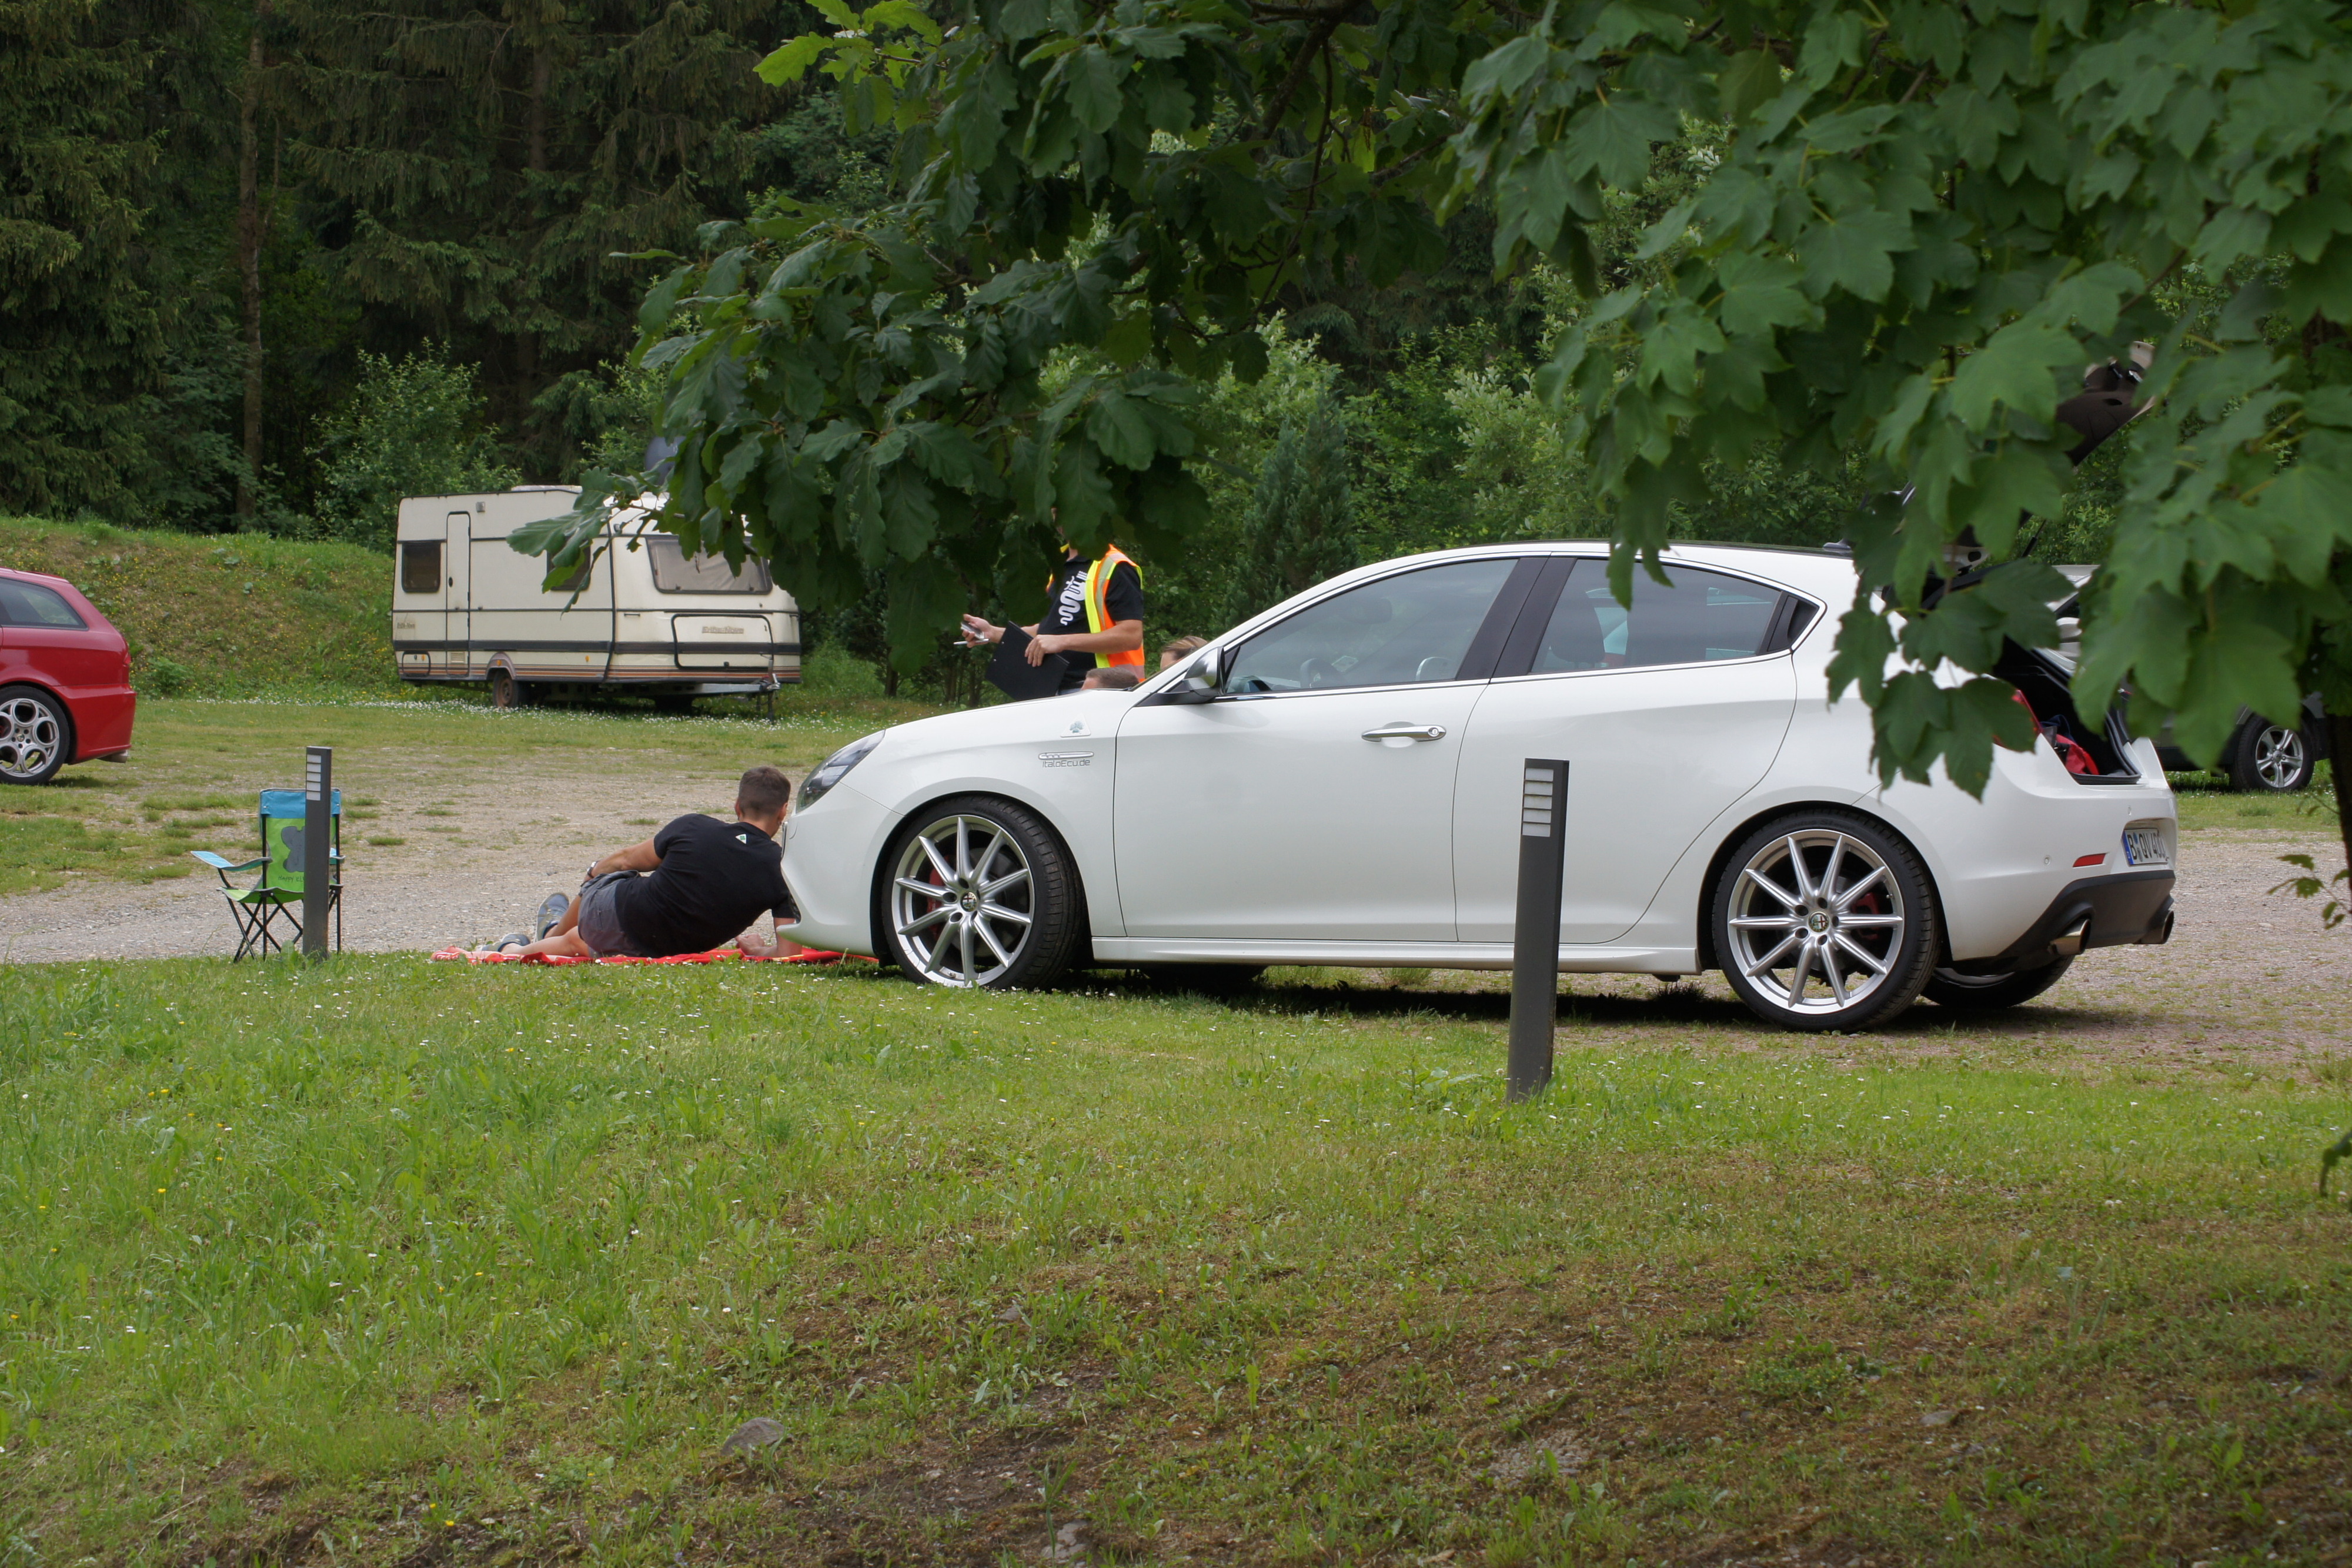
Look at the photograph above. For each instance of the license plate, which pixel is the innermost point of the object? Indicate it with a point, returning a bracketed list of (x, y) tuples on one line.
[(2144, 846)]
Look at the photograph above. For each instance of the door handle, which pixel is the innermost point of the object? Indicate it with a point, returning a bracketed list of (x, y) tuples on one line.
[(1407, 732)]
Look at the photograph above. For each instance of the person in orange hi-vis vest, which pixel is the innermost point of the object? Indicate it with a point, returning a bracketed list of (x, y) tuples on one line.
[(1094, 608)]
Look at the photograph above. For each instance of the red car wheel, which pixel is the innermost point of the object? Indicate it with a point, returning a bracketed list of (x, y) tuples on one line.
[(35, 735)]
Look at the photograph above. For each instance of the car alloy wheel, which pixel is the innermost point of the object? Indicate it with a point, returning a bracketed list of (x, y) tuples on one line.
[(980, 893), (36, 737), (2272, 757), (1825, 921)]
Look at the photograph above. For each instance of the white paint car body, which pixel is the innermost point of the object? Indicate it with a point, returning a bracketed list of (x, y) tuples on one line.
[(1268, 829)]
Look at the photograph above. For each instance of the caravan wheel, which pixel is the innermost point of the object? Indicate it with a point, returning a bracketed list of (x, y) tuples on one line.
[(506, 692)]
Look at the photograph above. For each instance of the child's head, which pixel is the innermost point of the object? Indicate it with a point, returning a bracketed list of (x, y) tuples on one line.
[(1181, 648), (1110, 678)]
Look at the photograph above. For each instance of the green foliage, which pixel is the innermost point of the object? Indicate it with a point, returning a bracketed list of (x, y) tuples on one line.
[(1890, 241), (413, 427), (107, 391), (2330, 1156), (1299, 531), (605, 417)]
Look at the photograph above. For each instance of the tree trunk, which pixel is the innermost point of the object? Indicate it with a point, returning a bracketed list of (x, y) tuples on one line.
[(543, 72), (249, 260)]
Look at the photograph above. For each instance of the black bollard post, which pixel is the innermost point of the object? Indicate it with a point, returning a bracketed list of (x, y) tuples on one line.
[(1535, 947), (318, 848)]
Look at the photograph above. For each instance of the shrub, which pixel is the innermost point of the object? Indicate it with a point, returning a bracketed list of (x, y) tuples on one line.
[(413, 427)]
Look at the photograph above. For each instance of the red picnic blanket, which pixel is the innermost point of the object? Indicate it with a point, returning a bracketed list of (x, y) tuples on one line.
[(450, 954)]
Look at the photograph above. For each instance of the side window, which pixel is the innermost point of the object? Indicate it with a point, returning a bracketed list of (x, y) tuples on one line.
[(1401, 630), (30, 604), (576, 579), (420, 566), (674, 573), (1704, 615)]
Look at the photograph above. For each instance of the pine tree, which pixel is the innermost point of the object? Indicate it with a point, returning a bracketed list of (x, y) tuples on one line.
[(1301, 530), (477, 166), (86, 327)]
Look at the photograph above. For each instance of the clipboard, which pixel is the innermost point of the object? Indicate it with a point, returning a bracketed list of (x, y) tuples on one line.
[(1011, 673)]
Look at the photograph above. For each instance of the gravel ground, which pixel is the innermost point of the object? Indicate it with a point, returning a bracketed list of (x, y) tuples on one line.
[(479, 852), (2246, 972)]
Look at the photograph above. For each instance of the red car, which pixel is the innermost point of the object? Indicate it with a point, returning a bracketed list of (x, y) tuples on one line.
[(65, 679)]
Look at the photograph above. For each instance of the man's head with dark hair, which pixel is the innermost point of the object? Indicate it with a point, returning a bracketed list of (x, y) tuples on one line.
[(1111, 678), (764, 792)]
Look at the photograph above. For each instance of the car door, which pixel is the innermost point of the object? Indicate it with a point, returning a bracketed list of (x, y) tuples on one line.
[(1666, 715), (1311, 801)]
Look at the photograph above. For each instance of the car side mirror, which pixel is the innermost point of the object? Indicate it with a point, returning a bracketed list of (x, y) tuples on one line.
[(1202, 681)]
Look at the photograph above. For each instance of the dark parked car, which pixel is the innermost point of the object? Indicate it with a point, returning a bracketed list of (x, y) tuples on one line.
[(65, 680), (2261, 754)]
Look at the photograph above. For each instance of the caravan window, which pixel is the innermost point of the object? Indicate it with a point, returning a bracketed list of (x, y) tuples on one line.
[(674, 573), (420, 566)]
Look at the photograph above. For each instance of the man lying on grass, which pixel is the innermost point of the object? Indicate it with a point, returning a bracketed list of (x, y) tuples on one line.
[(688, 889)]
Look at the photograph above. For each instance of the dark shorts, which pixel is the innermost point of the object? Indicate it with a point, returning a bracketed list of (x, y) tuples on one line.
[(600, 919)]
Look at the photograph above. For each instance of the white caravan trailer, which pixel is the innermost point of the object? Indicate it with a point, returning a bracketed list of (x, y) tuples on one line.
[(466, 606)]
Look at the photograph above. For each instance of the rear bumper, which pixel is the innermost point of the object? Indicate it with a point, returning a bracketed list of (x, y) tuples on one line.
[(102, 720), (2131, 907)]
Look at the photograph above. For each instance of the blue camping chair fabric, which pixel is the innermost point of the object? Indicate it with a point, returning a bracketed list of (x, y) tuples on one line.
[(276, 893)]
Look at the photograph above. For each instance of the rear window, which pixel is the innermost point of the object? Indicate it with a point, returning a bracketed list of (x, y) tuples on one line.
[(674, 572), (420, 566), (1701, 616), (30, 604)]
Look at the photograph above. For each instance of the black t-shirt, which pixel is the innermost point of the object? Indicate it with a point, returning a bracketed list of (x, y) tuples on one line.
[(1065, 610), (714, 879)]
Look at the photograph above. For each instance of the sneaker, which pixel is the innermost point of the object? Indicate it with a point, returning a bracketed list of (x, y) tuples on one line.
[(513, 939), (549, 912)]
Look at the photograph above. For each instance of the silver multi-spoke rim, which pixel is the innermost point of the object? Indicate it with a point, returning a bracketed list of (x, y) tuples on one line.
[(961, 901), (1817, 921), (2278, 756), (29, 737)]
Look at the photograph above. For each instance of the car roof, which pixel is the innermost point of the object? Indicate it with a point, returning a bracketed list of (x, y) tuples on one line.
[(41, 577), (1822, 572)]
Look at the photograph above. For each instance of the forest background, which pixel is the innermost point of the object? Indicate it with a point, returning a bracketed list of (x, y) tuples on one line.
[(270, 267)]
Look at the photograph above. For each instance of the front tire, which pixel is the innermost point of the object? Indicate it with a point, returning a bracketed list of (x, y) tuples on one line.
[(1825, 920), (1989, 993), (2275, 758), (978, 891), (35, 735)]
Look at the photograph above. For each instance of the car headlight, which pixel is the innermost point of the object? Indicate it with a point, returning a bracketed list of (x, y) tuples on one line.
[(836, 767)]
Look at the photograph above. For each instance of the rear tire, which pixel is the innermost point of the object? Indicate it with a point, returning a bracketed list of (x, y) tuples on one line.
[(1825, 920), (37, 736), (1989, 993), (2274, 758), (978, 891)]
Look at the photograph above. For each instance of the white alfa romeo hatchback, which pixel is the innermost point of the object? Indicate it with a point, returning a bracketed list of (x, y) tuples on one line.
[(1338, 781)]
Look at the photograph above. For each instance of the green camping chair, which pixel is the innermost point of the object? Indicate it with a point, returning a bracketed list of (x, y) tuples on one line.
[(276, 893)]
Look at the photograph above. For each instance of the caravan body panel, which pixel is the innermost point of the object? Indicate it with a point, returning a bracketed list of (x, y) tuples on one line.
[(640, 614)]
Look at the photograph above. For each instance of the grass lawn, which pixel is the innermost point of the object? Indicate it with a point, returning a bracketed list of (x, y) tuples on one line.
[(2206, 801), (384, 1262), (196, 766)]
